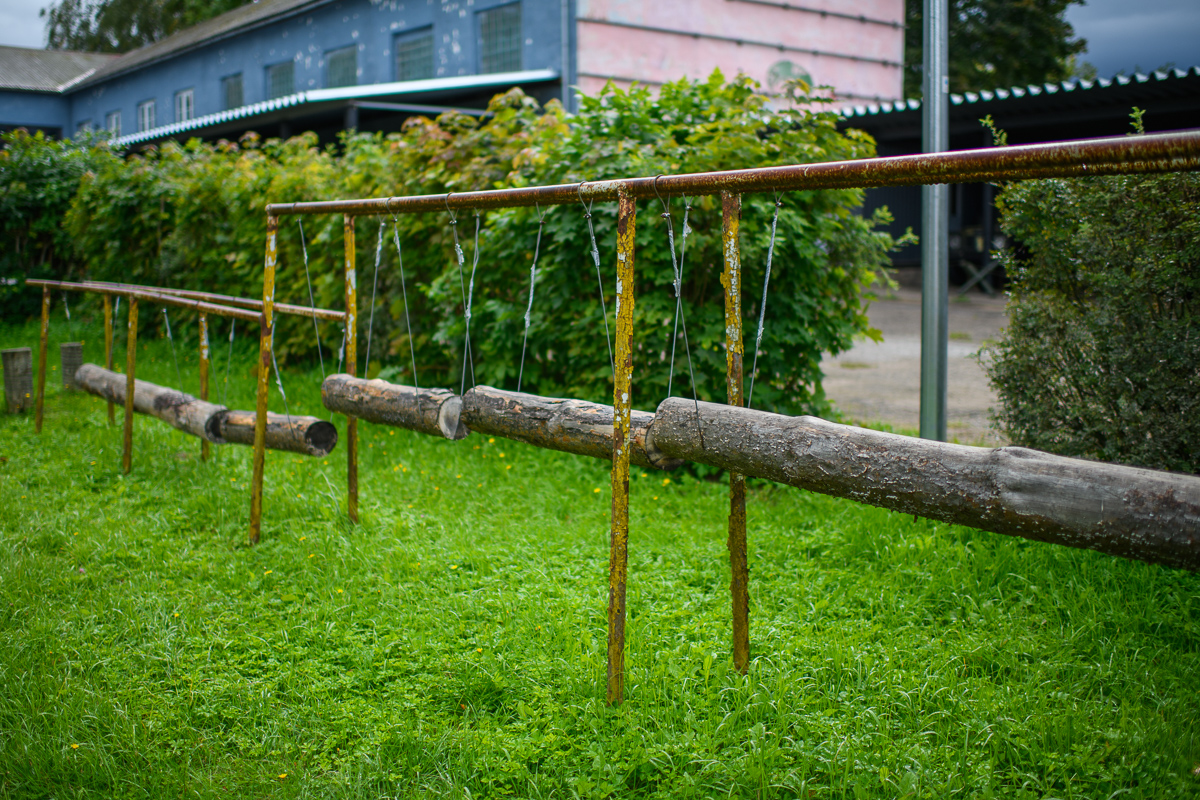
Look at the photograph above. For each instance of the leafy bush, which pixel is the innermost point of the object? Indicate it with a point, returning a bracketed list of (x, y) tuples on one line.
[(1101, 358), (193, 216), (38, 179)]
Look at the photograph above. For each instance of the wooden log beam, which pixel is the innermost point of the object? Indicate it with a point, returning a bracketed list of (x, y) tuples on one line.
[(308, 436), (432, 411), (182, 411), (1134, 513), (211, 422), (572, 426)]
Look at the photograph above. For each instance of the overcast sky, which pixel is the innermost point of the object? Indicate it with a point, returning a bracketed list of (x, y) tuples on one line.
[(1121, 34)]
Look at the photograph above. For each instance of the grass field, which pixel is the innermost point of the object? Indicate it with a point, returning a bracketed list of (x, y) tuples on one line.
[(453, 643)]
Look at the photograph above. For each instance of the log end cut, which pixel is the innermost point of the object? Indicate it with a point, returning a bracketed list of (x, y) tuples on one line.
[(450, 419)]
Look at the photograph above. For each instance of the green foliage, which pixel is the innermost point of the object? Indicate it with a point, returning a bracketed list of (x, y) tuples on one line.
[(1101, 358), (38, 179), (118, 26), (192, 216), (453, 643), (997, 44)]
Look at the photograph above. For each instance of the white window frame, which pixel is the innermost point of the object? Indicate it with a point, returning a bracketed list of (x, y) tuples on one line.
[(112, 123), (145, 116), (185, 105)]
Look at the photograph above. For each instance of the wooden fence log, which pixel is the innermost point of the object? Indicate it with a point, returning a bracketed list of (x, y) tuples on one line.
[(183, 411), (18, 379), (572, 426), (1134, 513), (432, 411), (308, 436)]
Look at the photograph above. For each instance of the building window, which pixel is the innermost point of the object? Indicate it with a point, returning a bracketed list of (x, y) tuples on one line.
[(281, 80), (414, 56), (500, 39), (231, 91), (145, 118), (341, 67), (112, 123), (185, 105)]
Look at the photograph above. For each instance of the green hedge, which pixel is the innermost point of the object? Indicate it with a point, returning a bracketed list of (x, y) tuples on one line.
[(193, 216), (1101, 358)]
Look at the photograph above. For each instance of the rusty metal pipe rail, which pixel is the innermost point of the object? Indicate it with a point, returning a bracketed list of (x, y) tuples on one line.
[(153, 297), (240, 302), (1167, 152)]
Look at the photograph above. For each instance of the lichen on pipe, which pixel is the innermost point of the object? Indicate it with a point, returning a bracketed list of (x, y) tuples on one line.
[(1141, 514), (432, 411), (571, 426)]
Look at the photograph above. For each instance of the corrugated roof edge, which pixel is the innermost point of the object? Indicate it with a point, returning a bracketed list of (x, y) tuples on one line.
[(344, 93), (875, 109)]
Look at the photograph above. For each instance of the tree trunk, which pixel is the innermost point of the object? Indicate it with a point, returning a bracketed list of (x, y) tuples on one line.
[(432, 411), (1125, 511), (572, 426), (183, 411), (309, 436)]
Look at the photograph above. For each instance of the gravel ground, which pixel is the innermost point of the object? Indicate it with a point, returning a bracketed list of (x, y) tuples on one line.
[(880, 381)]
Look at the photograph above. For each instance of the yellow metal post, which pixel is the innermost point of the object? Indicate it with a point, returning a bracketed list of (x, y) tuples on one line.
[(264, 370), (731, 279), (622, 404), (41, 388), (204, 375), (108, 346), (130, 385), (351, 367)]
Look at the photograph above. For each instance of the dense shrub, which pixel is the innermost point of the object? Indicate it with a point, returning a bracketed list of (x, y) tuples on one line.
[(38, 179), (1101, 358), (194, 216)]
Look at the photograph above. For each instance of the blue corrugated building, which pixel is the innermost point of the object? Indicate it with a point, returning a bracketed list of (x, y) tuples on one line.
[(282, 66)]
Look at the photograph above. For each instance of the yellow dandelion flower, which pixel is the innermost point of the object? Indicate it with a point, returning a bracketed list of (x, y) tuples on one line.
[(268, 572), (74, 747), (596, 490), (282, 775), (491, 440), (666, 481), (454, 566), (302, 538), (312, 555), (478, 649), (508, 466), (339, 591), (502, 455)]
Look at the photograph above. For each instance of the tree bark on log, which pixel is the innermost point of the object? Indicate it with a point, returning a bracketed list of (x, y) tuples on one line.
[(1135, 513), (197, 417), (308, 436), (217, 424), (572, 426), (432, 411)]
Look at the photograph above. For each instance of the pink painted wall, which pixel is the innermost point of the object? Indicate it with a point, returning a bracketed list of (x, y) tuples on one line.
[(654, 41)]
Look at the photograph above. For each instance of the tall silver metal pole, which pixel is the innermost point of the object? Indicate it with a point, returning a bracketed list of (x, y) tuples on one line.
[(935, 212)]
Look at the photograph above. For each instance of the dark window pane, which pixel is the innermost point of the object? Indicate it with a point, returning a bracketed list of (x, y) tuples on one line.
[(500, 39), (231, 89), (414, 57), (342, 66), (281, 80)]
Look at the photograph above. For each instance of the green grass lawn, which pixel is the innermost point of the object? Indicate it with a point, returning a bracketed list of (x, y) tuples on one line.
[(453, 643)]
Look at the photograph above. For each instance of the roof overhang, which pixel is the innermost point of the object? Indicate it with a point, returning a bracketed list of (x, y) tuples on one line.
[(324, 100)]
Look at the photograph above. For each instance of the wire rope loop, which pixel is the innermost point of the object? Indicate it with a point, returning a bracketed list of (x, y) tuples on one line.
[(666, 208), (449, 210)]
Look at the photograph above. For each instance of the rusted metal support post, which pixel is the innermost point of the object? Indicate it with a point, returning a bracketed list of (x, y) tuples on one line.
[(204, 376), (41, 387), (731, 279), (351, 367), (108, 347), (130, 378), (622, 405), (266, 329)]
